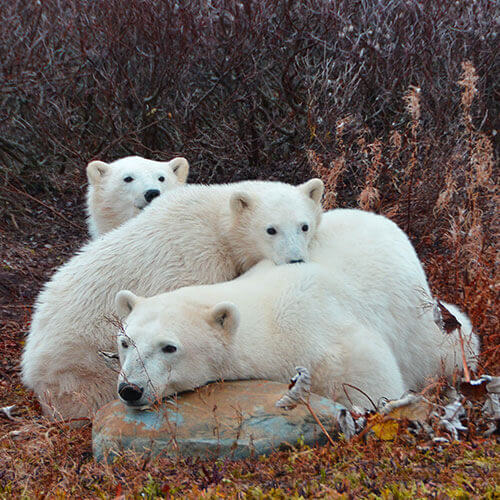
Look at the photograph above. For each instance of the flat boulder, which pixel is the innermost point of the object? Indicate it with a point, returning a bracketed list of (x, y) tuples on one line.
[(227, 419)]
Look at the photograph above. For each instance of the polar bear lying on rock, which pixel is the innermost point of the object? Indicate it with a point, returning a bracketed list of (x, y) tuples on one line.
[(197, 234), (260, 326), (119, 190)]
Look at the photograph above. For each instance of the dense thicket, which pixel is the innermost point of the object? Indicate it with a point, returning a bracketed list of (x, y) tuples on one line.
[(242, 89)]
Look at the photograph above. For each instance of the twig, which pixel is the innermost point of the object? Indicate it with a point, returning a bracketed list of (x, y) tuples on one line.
[(464, 361), (362, 392), (431, 386), (13, 219), (372, 424), (311, 411)]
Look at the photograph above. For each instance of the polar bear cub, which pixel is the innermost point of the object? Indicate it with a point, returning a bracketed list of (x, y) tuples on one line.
[(197, 234), (258, 326), (262, 325), (119, 190)]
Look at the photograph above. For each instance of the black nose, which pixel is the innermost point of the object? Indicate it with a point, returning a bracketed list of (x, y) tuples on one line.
[(130, 392), (298, 261), (151, 194)]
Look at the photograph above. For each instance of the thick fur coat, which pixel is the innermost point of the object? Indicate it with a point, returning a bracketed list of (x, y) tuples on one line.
[(197, 234), (260, 326)]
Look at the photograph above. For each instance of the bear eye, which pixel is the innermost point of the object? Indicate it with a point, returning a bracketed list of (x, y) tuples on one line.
[(305, 228), (161, 178), (128, 179), (271, 230), (169, 348), (124, 344)]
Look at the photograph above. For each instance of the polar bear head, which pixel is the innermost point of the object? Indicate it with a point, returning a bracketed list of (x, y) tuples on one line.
[(170, 344), (120, 190), (277, 222)]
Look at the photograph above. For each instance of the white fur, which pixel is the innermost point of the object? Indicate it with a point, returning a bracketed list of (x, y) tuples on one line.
[(190, 237), (262, 325), (378, 263), (111, 201)]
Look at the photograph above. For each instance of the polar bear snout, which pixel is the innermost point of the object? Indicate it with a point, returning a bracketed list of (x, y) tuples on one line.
[(289, 245), (151, 194), (130, 393)]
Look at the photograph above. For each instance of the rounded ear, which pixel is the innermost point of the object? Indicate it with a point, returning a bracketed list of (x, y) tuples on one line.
[(180, 167), (125, 301), (96, 170), (313, 189), (239, 202), (226, 316)]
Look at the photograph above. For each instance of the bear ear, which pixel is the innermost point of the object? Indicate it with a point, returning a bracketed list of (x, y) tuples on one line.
[(226, 316), (96, 170), (313, 189), (125, 301), (239, 202), (180, 167)]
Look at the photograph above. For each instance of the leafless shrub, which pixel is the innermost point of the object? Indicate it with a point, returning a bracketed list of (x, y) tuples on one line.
[(242, 89)]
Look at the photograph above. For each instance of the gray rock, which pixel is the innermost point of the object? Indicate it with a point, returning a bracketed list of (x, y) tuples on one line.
[(228, 419)]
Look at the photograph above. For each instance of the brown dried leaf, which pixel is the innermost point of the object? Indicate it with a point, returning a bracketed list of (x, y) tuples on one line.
[(450, 421), (493, 386), (475, 389), (491, 412), (299, 390), (481, 387), (412, 406), (7, 411), (347, 424), (446, 321)]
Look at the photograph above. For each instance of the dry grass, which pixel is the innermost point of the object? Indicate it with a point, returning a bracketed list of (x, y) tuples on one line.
[(55, 463)]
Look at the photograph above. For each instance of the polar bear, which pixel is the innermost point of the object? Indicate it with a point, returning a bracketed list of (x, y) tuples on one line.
[(260, 326), (387, 278), (119, 190), (197, 234)]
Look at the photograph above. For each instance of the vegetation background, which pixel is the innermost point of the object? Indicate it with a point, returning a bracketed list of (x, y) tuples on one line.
[(394, 103)]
